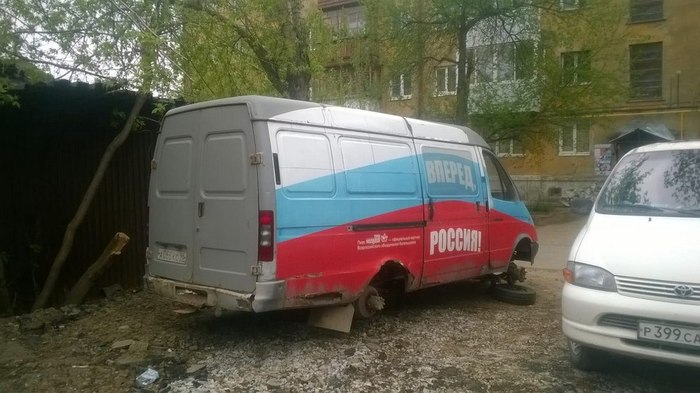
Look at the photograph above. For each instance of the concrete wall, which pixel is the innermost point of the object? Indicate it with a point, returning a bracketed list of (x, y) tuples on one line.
[(535, 188)]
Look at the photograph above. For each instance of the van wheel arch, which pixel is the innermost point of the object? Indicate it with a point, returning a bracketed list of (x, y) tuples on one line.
[(523, 249), (390, 282), (392, 270)]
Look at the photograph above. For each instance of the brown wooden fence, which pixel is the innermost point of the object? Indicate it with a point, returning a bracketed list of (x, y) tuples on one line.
[(49, 149)]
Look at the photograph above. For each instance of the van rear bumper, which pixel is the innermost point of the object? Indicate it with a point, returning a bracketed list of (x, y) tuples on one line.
[(268, 295)]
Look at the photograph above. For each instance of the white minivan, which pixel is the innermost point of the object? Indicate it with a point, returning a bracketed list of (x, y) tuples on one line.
[(633, 275)]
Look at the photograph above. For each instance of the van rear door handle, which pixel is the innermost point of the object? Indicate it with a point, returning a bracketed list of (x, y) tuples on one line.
[(200, 209)]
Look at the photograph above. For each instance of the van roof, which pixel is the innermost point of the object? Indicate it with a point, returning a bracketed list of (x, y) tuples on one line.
[(304, 112)]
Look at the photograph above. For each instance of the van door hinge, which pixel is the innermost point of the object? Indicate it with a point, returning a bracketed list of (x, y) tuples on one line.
[(255, 270), (154, 164), (256, 159)]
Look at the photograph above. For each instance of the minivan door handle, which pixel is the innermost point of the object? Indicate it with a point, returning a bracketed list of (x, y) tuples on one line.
[(200, 209)]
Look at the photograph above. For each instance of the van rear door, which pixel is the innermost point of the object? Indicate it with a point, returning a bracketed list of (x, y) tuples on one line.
[(204, 199)]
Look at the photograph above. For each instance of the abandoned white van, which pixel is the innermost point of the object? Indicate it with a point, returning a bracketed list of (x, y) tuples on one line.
[(633, 276), (260, 204)]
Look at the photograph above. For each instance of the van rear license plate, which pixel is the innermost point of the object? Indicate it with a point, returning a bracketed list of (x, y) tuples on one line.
[(175, 256), (660, 332)]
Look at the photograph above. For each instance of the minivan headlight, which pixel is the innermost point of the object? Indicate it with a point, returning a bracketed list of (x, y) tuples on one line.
[(589, 276)]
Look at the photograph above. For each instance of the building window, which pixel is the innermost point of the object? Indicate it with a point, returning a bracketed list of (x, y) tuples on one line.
[(568, 5), (446, 80), (646, 70), (401, 87), (346, 21), (576, 67), (646, 10), (509, 148), (574, 138), (484, 62), (503, 62)]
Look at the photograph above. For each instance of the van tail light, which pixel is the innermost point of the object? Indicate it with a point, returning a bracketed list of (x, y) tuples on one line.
[(266, 238)]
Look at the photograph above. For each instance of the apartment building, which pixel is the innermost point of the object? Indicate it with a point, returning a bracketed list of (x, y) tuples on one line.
[(659, 54), (653, 95)]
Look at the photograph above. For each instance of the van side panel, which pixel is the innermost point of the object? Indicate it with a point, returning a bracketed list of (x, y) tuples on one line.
[(456, 232), (347, 204), (343, 260)]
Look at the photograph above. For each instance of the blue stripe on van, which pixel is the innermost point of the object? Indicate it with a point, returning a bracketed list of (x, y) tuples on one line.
[(516, 209), (361, 193), (346, 197)]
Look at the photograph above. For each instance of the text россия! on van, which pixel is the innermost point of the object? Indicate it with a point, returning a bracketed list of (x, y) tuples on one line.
[(260, 204)]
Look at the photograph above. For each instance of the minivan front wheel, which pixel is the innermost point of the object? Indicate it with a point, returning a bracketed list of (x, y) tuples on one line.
[(583, 357)]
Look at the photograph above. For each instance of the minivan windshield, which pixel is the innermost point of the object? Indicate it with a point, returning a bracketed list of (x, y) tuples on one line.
[(657, 183)]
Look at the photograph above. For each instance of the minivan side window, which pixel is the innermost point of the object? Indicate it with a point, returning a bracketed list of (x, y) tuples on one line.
[(306, 164), (499, 183)]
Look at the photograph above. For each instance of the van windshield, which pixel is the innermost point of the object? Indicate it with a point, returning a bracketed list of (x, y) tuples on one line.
[(660, 183)]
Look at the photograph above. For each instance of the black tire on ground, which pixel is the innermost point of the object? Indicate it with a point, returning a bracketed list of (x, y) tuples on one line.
[(583, 357), (517, 294), (362, 308)]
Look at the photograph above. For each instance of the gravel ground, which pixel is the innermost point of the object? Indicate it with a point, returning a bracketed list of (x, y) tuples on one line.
[(454, 338)]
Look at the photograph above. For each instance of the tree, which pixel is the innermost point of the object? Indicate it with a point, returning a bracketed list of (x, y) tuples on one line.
[(428, 33), (16, 73), (116, 41), (569, 69), (249, 46), (510, 82), (204, 49)]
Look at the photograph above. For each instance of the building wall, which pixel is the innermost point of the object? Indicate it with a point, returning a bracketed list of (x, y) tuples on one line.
[(538, 171), (544, 168)]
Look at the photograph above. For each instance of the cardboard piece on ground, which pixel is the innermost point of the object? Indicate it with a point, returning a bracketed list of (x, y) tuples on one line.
[(338, 318)]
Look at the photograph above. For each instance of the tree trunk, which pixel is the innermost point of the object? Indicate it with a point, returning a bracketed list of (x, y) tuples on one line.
[(298, 69), (81, 288), (73, 225), (464, 66)]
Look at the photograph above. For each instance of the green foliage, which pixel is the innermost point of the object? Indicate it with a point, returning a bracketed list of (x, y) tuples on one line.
[(123, 41), (16, 74), (425, 34), (354, 59), (530, 107), (251, 46), (159, 108)]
